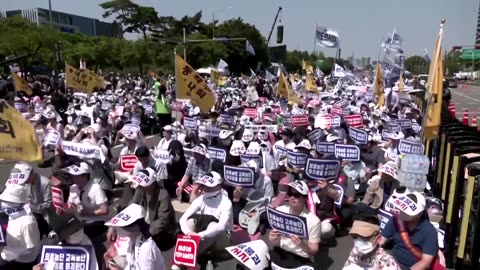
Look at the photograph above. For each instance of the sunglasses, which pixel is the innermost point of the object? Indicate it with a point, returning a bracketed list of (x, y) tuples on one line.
[(294, 194)]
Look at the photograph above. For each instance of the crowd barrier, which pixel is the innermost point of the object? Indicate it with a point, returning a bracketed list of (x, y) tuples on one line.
[(454, 175)]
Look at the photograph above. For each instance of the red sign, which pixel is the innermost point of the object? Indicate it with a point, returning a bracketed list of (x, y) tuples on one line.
[(323, 122), (177, 106), (127, 163), (186, 250), (337, 110), (355, 120), (250, 112), (299, 120)]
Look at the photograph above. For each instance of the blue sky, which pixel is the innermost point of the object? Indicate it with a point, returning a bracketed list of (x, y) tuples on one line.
[(361, 24)]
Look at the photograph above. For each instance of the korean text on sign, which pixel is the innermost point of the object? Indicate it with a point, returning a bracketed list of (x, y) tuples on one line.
[(186, 250), (325, 147), (347, 152), (217, 153), (296, 159), (322, 169), (239, 176), (287, 224), (66, 257), (409, 147)]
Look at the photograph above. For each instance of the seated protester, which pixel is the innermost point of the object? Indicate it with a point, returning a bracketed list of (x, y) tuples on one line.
[(22, 234), (366, 252), (379, 189), (131, 146), (293, 252), (91, 207), (285, 142), (372, 155), (167, 138), (197, 167), (176, 168), (321, 201), (160, 214), (414, 238), (142, 252), (209, 216), (39, 195)]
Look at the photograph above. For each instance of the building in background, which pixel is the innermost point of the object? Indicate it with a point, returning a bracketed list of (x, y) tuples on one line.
[(68, 23)]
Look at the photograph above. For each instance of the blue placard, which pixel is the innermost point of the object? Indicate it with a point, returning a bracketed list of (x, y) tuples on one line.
[(190, 123), (217, 153), (384, 218), (287, 120), (287, 224), (281, 150), (239, 176), (325, 147), (357, 135), (227, 119), (296, 159), (386, 135), (336, 121), (404, 123), (322, 169), (66, 257), (393, 127), (347, 152), (314, 135), (257, 158), (409, 147), (346, 111)]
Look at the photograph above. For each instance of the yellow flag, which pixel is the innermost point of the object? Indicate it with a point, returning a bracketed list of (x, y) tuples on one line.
[(434, 107), (292, 77), (310, 84), (83, 80), (283, 88), (379, 86), (18, 140), (21, 85), (309, 69), (191, 86), (217, 78), (400, 83)]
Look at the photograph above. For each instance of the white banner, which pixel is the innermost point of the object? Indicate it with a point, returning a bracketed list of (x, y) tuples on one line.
[(82, 150)]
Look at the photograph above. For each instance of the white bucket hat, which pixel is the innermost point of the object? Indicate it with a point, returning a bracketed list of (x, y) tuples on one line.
[(389, 168), (19, 174), (15, 194)]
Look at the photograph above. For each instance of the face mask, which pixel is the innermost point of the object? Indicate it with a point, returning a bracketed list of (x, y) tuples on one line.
[(211, 195), (363, 246)]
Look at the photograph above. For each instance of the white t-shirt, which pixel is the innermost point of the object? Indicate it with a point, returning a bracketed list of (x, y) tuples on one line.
[(93, 196), (22, 234), (150, 257), (164, 144), (314, 230), (125, 151)]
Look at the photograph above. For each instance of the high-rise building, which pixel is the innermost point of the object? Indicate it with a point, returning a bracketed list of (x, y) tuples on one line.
[(69, 23)]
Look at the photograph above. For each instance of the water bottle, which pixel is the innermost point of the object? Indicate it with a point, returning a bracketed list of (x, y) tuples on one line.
[(209, 265)]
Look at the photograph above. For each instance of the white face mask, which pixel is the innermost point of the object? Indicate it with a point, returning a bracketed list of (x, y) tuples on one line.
[(363, 246), (210, 195)]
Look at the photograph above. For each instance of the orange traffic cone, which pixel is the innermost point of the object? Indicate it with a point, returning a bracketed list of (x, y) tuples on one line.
[(466, 118), (451, 109), (474, 121)]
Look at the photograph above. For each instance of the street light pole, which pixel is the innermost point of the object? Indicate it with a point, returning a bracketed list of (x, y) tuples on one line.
[(50, 12), (184, 44), (213, 25)]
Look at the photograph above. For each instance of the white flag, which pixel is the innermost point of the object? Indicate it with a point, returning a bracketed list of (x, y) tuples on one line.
[(339, 71), (222, 65), (252, 73), (269, 76)]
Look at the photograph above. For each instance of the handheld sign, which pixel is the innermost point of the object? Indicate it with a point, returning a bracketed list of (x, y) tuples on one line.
[(355, 120), (287, 224), (357, 135), (323, 122), (281, 150), (299, 120), (385, 216), (409, 147), (127, 162), (336, 121), (52, 138), (163, 156), (325, 147), (347, 152), (346, 111), (66, 257), (227, 119), (190, 123), (415, 127), (404, 123), (322, 169), (296, 159), (337, 110), (386, 135), (239, 176), (131, 128), (217, 153), (268, 117), (393, 127), (287, 120), (314, 135), (257, 158), (208, 131), (186, 250), (250, 112)]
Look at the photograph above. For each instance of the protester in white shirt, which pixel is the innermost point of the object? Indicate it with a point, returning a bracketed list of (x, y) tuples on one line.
[(22, 235), (167, 138), (293, 252), (209, 216), (142, 252)]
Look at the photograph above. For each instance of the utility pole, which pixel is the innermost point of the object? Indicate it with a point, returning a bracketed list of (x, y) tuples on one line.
[(50, 12)]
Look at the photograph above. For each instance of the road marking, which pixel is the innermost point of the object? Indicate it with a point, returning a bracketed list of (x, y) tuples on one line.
[(465, 96)]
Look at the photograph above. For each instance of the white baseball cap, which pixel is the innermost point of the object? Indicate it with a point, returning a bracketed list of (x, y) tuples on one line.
[(300, 186), (411, 204), (211, 179), (128, 216), (15, 194), (82, 168), (143, 178), (19, 174), (389, 168)]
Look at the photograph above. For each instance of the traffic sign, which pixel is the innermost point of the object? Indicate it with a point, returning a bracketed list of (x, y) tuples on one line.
[(470, 54)]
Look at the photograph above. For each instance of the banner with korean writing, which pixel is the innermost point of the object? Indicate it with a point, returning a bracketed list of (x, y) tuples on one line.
[(314, 135), (190, 85), (268, 128), (250, 112), (410, 147), (81, 150), (185, 252), (393, 127), (18, 139), (337, 110), (162, 156), (323, 122), (325, 147), (280, 150), (66, 257), (127, 162), (387, 135), (322, 169), (296, 159), (358, 136), (208, 131), (190, 123), (287, 224), (83, 80), (217, 153), (227, 119), (239, 176), (336, 121), (404, 123), (347, 152), (52, 138), (299, 120), (256, 158), (217, 78), (355, 120)]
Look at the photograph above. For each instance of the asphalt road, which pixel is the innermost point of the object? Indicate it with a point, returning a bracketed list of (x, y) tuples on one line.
[(466, 97)]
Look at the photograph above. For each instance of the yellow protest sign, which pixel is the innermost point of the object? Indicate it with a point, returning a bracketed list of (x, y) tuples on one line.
[(21, 85), (83, 80), (217, 78), (18, 140), (191, 86)]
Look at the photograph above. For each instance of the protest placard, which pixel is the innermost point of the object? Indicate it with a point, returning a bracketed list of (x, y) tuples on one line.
[(325, 147), (287, 224), (336, 121), (322, 169), (358, 135), (190, 123), (226, 119), (66, 257), (239, 176), (127, 163), (355, 120), (323, 122), (299, 120), (256, 158), (217, 153), (296, 159), (250, 112), (185, 252), (314, 135), (410, 147), (347, 152), (404, 123)]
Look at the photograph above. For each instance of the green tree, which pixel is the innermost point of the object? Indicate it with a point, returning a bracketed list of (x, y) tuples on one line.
[(453, 62), (416, 64)]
